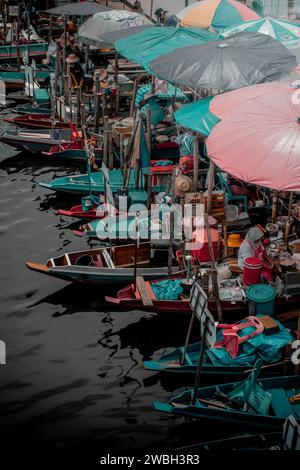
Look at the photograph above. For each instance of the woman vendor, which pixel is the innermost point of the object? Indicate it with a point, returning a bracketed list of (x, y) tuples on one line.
[(252, 247)]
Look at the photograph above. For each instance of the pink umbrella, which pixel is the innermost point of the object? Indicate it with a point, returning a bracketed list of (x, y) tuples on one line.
[(260, 142), (226, 103)]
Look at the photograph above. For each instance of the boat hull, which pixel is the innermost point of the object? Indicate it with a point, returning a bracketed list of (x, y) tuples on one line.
[(36, 50), (183, 406), (35, 141), (99, 276)]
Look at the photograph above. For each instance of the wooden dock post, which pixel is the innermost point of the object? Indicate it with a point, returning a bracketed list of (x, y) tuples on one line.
[(210, 185), (97, 103), (105, 140), (134, 92), (148, 130)]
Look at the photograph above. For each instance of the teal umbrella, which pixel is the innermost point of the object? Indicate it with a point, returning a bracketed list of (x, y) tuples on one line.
[(284, 31), (197, 116), (151, 43), (202, 116)]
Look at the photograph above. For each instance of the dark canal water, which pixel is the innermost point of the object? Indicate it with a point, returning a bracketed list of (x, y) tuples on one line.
[(73, 376)]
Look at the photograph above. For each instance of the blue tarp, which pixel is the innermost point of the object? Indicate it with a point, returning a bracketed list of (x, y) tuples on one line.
[(269, 348)]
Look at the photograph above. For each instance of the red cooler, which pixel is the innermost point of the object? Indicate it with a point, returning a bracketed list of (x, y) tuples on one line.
[(252, 271), (200, 248)]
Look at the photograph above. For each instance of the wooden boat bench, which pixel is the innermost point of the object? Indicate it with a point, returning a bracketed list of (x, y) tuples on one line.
[(145, 291)]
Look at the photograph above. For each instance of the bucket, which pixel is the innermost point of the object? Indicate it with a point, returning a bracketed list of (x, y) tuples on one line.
[(261, 299), (252, 271), (84, 260)]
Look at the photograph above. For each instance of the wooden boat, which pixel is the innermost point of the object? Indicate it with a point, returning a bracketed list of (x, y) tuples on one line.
[(277, 393), (289, 439), (249, 442), (78, 213), (32, 109), (35, 141), (72, 151), (37, 121), (37, 50), (97, 211), (97, 266), (120, 228), (84, 184), (212, 366), (128, 299), (15, 80)]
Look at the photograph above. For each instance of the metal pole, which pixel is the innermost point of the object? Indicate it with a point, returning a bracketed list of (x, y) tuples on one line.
[(188, 336), (200, 363), (135, 247)]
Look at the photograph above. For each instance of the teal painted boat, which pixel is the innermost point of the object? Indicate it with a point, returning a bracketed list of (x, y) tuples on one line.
[(31, 109), (100, 267), (11, 76), (123, 227), (85, 184), (289, 439), (270, 349), (36, 50), (265, 404), (75, 155)]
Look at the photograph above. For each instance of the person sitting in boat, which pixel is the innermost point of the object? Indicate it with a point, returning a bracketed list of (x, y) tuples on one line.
[(252, 246), (76, 71)]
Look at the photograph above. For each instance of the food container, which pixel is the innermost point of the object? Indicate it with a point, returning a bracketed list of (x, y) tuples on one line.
[(272, 229), (287, 264), (282, 221), (252, 271), (295, 246)]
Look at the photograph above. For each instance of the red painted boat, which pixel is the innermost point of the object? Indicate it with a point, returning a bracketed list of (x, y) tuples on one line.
[(36, 121), (77, 212), (128, 299)]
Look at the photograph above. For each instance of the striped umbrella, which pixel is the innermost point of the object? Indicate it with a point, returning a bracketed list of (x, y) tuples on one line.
[(286, 32), (215, 14)]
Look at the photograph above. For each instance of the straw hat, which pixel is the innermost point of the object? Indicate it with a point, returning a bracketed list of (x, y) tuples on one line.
[(72, 59), (102, 74), (183, 184)]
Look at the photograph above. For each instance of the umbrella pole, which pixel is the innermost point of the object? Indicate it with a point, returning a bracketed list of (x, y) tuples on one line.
[(196, 163), (50, 29), (274, 206), (288, 225), (64, 54)]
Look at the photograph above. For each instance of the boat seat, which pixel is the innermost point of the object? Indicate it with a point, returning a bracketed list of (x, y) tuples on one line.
[(281, 404), (108, 259), (145, 291), (67, 259)]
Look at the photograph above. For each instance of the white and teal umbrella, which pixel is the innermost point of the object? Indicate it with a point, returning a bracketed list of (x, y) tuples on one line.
[(286, 32)]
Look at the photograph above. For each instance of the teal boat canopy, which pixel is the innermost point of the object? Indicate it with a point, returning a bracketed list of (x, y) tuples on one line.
[(197, 117), (152, 43)]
